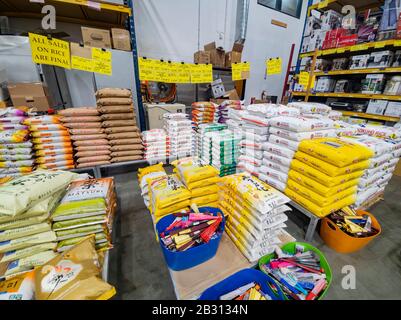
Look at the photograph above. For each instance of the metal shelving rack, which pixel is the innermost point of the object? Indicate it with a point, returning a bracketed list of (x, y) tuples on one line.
[(344, 51)]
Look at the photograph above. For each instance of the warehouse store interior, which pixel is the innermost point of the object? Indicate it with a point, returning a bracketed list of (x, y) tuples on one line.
[(200, 150)]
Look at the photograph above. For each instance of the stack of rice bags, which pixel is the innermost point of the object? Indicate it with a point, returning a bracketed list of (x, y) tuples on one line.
[(156, 145), (146, 176), (52, 143), (26, 239), (181, 136), (285, 136), (87, 208), (223, 151), (119, 123), (256, 215), (380, 171), (255, 131), (313, 108), (203, 112), (325, 174), (223, 109), (200, 179), (90, 143), (15, 145), (203, 143)]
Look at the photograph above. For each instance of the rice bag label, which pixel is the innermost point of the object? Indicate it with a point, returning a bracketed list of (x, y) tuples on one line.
[(59, 275)]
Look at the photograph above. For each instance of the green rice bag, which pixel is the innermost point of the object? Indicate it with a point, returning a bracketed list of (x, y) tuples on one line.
[(79, 232), (79, 209), (28, 263), (26, 252), (44, 207), (24, 192), (66, 244), (28, 241), (23, 222), (12, 234), (80, 222)]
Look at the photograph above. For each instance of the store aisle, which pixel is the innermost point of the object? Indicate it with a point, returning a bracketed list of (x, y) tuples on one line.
[(138, 270)]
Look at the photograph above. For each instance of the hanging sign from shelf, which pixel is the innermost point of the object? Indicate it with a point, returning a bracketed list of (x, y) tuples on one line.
[(53, 52), (240, 71), (274, 66), (81, 57), (303, 79), (201, 73), (182, 72), (102, 61)]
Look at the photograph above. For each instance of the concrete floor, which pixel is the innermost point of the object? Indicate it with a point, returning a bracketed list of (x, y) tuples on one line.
[(138, 270)]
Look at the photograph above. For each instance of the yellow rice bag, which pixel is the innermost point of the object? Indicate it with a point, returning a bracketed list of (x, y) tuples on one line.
[(199, 192), (178, 207), (317, 198), (321, 177), (338, 152), (318, 210), (328, 168), (144, 171), (318, 187), (211, 204), (199, 201), (166, 191), (203, 183), (193, 169)]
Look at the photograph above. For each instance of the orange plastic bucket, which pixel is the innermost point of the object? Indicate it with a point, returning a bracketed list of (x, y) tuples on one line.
[(341, 242)]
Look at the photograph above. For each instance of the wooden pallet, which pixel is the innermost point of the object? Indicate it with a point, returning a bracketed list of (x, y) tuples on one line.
[(371, 202)]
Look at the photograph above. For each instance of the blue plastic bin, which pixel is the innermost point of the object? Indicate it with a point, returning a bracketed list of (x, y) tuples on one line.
[(192, 257), (240, 279)]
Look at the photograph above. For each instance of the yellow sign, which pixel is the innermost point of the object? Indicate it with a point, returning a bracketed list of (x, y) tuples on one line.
[(201, 73), (274, 66), (303, 79), (240, 71), (323, 4), (182, 72), (101, 61), (81, 63), (397, 43), (146, 72), (53, 52)]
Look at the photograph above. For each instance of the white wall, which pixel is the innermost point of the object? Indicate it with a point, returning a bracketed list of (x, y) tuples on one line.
[(169, 30), (264, 41)]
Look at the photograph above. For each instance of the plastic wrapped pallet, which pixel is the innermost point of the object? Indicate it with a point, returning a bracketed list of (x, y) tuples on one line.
[(156, 145), (16, 156), (87, 208), (91, 140), (26, 238), (256, 215), (117, 113), (181, 135), (326, 174)]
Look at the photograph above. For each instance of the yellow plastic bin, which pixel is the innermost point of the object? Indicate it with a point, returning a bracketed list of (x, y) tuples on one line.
[(341, 242)]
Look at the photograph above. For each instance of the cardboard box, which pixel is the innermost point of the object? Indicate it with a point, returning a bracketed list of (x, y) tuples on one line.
[(393, 109), (121, 39), (80, 51), (33, 95), (202, 57), (312, 23), (235, 55), (377, 106), (93, 37), (217, 55), (331, 20)]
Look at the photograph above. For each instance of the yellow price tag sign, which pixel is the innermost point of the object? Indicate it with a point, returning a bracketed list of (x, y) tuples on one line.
[(274, 66), (183, 73), (303, 79), (161, 70), (102, 61), (81, 63), (146, 72), (323, 4), (53, 52), (240, 71), (201, 73)]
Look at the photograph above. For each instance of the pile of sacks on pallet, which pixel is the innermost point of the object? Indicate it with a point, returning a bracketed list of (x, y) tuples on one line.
[(15, 145), (26, 238), (178, 128), (52, 143), (118, 117), (256, 215), (90, 142), (325, 174)]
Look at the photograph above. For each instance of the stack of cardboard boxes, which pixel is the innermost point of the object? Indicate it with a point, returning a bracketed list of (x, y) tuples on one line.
[(217, 56), (120, 39), (33, 95)]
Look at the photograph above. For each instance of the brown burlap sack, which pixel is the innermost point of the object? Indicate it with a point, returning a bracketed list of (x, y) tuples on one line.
[(113, 92), (94, 158), (94, 148), (86, 131), (84, 154), (121, 129), (92, 164), (81, 119), (116, 109), (118, 123), (126, 147), (118, 116), (124, 159), (125, 141), (126, 153), (113, 101), (83, 125), (123, 135), (77, 112), (81, 137), (91, 142)]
